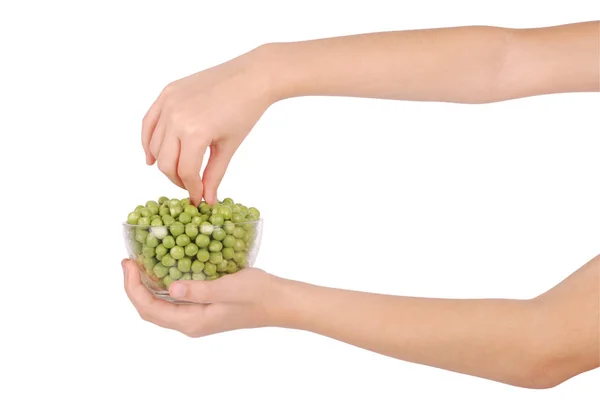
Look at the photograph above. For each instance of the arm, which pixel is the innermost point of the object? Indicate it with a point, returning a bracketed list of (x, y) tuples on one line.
[(216, 108), (475, 64), (535, 343)]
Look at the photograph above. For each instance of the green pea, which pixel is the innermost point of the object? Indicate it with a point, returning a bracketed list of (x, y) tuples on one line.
[(144, 221), (191, 210), (161, 250), (184, 265), (239, 258), (160, 270), (140, 235), (159, 232), (247, 238), (186, 276), (153, 210), (243, 210), (199, 276), (168, 242), (239, 232), (210, 269), (228, 241), (183, 240), (202, 240), (222, 266), (151, 240), (138, 208), (196, 220), (163, 199), (174, 273), (151, 203), (156, 222), (204, 208), (218, 234), (212, 277), (254, 210), (185, 217), (148, 251), (168, 220), (191, 249), (228, 253), (237, 217), (145, 212), (228, 227), (225, 211), (163, 211), (137, 248), (191, 231), (149, 262), (168, 260), (174, 202), (184, 202), (215, 246), (177, 229), (217, 219), (168, 281), (228, 201), (232, 267), (197, 266), (216, 257), (206, 228), (239, 245), (177, 252), (133, 217), (236, 208), (175, 211), (159, 257), (203, 255)]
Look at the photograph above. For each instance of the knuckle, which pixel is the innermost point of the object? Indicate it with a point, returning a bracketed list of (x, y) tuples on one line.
[(164, 166)]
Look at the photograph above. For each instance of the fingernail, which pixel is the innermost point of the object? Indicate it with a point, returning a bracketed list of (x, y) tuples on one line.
[(178, 290)]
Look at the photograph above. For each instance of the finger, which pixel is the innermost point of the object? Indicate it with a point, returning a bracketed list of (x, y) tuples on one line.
[(228, 288), (190, 163), (168, 158), (149, 308), (148, 125), (157, 138), (220, 156)]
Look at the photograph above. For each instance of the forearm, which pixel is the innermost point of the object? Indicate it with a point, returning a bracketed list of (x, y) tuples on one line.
[(475, 64), (536, 343), (485, 338)]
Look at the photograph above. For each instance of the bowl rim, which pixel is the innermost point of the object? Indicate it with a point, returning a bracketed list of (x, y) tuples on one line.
[(144, 226)]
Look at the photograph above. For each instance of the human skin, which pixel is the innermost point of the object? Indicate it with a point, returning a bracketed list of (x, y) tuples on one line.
[(535, 343), (532, 343), (216, 108)]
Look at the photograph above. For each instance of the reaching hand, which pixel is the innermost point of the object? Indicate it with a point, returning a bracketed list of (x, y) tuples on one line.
[(215, 108)]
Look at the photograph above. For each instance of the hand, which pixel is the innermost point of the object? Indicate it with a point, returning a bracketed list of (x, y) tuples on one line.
[(215, 109), (241, 300)]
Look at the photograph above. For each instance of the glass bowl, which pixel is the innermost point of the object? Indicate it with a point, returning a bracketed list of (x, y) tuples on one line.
[(165, 254)]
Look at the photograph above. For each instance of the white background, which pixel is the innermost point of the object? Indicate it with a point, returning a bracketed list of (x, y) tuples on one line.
[(432, 200)]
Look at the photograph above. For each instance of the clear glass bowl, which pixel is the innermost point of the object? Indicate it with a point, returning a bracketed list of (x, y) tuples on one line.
[(164, 253)]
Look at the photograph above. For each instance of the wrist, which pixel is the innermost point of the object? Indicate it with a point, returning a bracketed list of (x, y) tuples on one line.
[(283, 306), (274, 69)]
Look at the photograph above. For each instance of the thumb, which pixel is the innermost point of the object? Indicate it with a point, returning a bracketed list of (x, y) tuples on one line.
[(224, 289), (220, 156)]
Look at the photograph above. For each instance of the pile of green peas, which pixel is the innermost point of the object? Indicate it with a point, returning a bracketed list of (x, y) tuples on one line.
[(175, 240)]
